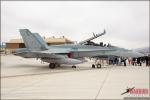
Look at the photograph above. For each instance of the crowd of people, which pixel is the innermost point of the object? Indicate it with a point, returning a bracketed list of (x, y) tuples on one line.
[(114, 60)]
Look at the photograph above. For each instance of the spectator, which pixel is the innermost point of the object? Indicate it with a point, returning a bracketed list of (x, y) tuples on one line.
[(119, 61), (116, 60), (133, 61), (149, 60), (146, 59), (139, 61), (130, 60), (124, 61)]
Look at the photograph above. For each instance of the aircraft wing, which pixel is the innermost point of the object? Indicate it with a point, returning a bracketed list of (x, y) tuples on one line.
[(53, 53)]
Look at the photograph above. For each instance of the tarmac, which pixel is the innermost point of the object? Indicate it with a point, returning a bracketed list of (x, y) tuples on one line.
[(31, 79)]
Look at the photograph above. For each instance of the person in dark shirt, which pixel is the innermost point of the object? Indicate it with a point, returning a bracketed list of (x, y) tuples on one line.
[(133, 61), (139, 61), (149, 60), (124, 61), (146, 59), (116, 60)]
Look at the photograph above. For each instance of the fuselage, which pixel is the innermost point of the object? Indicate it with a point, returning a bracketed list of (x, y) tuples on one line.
[(71, 50)]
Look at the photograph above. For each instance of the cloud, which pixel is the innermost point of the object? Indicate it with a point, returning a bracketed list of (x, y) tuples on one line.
[(126, 23)]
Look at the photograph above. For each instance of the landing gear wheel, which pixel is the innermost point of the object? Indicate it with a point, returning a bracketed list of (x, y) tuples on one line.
[(73, 66), (93, 66), (52, 65), (98, 65)]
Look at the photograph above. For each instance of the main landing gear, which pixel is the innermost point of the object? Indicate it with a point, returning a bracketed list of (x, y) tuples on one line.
[(73, 66), (93, 66), (97, 65), (52, 65)]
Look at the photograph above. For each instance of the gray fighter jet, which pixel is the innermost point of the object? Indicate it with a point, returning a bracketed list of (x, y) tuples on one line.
[(64, 54)]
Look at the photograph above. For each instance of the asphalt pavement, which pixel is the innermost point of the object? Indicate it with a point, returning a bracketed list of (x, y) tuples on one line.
[(32, 79)]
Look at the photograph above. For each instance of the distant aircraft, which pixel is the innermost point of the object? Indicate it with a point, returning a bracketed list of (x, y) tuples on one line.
[(71, 54)]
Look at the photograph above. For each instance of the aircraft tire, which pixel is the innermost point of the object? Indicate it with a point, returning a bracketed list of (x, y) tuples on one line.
[(73, 66), (93, 66), (98, 65), (52, 65)]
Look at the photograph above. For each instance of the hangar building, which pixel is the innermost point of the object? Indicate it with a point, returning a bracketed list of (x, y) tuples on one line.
[(18, 43)]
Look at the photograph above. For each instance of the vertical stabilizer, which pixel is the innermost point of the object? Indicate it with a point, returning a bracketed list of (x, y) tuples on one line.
[(33, 42)]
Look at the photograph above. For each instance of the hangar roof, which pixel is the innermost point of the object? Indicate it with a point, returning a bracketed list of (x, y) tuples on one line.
[(47, 40)]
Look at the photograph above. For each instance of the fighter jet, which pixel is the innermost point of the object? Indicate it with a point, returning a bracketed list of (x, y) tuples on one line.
[(71, 54)]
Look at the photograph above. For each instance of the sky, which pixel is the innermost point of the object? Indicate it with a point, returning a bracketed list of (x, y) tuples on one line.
[(126, 22)]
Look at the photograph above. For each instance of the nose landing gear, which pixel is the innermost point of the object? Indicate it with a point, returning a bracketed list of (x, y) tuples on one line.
[(97, 65)]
